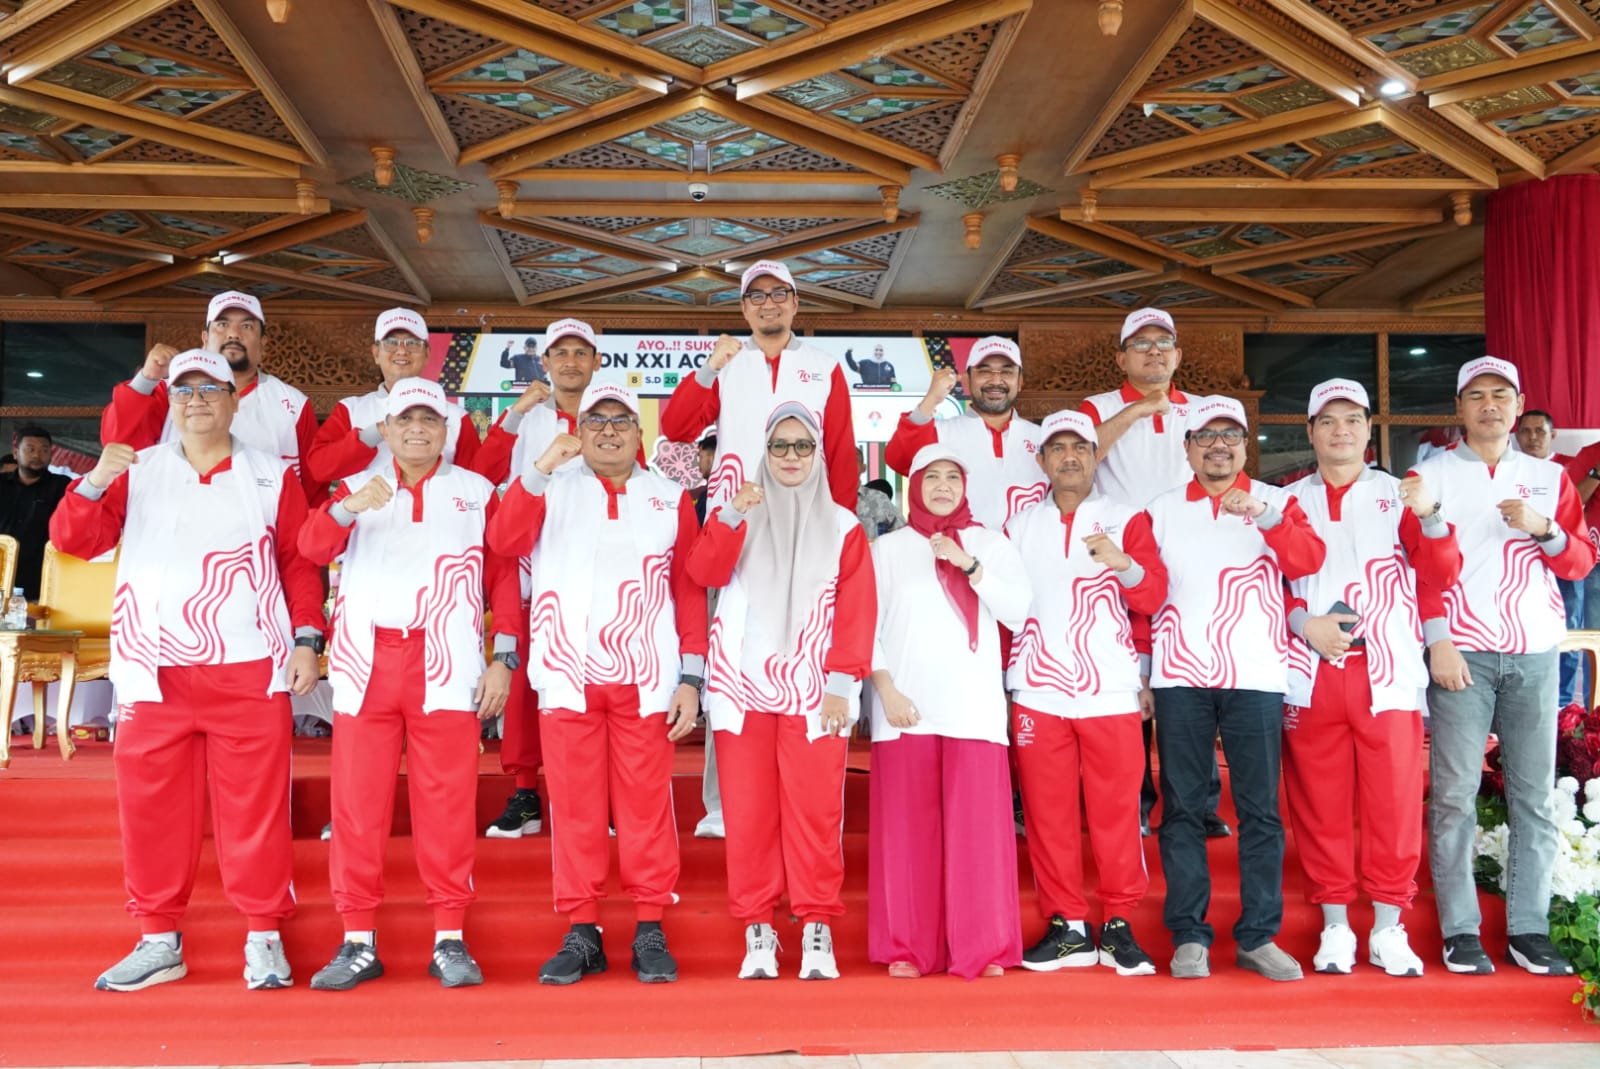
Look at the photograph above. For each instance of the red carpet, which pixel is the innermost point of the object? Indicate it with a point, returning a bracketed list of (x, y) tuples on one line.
[(62, 900)]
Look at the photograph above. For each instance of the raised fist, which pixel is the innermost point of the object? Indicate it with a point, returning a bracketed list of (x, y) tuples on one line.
[(115, 459), (943, 382), (1414, 495), (560, 450), (748, 497), (535, 395), (157, 361), (1104, 551), (726, 349), (374, 495)]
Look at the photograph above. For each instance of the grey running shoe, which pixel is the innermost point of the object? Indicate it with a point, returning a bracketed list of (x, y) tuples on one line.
[(1191, 961), (453, 966), (151, 963), (1271, 961), (355, 963), (265, 966)]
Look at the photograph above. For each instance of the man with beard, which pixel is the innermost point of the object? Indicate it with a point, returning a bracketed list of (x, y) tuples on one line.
[(734, 392), (998, 448), (28, 498), (1492, 651), (352, 437), (273, 416)]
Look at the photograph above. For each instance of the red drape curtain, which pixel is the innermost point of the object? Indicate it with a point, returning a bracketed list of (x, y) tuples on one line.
[(1541, 294)]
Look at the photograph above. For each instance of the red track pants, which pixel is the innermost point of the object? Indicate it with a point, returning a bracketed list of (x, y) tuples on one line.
[(441, 750), (520, 751), (1101, 759), (214, 722), (783, 808), (1339, 757), (609, 760)]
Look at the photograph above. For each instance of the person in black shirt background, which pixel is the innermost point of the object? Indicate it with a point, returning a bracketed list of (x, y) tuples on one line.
[(28, 497)]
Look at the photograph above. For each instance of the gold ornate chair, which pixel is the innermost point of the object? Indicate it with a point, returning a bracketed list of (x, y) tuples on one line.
[(8, 563), (74, 595), (1586, 643)]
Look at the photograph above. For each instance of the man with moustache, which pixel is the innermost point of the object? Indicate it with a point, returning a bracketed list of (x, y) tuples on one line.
[(1492, 652), (1082, 687), (1218, 649), (997, 446), (734, 392), (272, 416), (28, 498), (352, 438)]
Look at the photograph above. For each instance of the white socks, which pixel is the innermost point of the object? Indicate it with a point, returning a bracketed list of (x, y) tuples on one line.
[(441, 936), (262, 938), (169, 938), (366, 938)]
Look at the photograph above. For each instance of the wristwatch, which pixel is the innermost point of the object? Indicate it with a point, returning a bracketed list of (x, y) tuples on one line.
[(697, 682), (315, 643), (976, 564), (1549, 534), (509, 659)]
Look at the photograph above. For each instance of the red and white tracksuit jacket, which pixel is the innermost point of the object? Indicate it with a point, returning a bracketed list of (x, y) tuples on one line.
[(273, 417), (1075, 676), (209, 583), (1150, 458), (1003, 477), (1222, 625), (615, 619), (1506, 600), (738, 401), (1352, 728), (348, 442), (781, 777)]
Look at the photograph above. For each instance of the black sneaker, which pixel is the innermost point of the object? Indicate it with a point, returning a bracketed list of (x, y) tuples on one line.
[(1120, 951), (1216, 827), (1464, 954), (1016, 813), (581, 955), (522, 816), (1061, 948), (1535, 953), (651, 960), (355, 963), (453, 966)]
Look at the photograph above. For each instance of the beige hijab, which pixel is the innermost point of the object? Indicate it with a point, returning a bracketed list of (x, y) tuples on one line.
[(791, 551)]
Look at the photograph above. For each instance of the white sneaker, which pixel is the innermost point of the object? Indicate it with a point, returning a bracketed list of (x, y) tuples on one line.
[(760, 953), (710, 827), (151, 962), (1389, 950), (1337, 953), (816, 953), (265, 966)]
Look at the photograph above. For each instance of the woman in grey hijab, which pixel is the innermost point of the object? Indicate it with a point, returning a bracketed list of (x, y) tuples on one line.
[(790, 643)]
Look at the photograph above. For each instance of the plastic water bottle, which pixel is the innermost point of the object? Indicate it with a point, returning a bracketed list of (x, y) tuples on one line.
[(16, 611)]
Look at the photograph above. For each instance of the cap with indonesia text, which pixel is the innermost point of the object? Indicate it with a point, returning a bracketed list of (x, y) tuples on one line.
[(774, 268), (1487, 365), (605, 391), (994, 346), (202, 360), (222, 302), (399, 319), (1336, 390), (1068, 421), (569, 328), (1217, 407), (411, 392), (1146, 317)]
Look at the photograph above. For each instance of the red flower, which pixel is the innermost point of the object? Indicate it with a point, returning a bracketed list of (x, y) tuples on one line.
[(1591, 723), (1493, 783), (1591, 742), (1573, 757), (1492, 758), (1569, 719)]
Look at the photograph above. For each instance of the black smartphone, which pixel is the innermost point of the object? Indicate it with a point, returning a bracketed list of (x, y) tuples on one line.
[(1349, 626)]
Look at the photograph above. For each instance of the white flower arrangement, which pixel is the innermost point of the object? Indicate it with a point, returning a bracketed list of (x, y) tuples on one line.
[(1577, 864)]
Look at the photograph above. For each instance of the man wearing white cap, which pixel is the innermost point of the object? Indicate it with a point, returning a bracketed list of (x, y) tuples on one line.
[(271, 416), (217, 617), (1492, 652), (1142, 452), (1219, 644), (619, 643), (407, 667), (735, 391), (352, 437), (997, 446), (545, 411), (1081, 690), (1352, 728)]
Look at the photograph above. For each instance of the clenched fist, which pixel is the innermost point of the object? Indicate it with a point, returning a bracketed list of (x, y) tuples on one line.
[(1239, 502), (1104, 551), (726, 349), (1518, 516), (562, 449), (943, 382), (535, 395), (1414, 495), (749, 496), (157, 361), (115, 459), (376, 494)]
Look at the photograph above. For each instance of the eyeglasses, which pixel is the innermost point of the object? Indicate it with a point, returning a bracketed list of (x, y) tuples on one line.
[(408, 343), (776, 296), (1144, 345), (803, 447), (1231, 436), (209, 392), (600, 423), (245, 327)]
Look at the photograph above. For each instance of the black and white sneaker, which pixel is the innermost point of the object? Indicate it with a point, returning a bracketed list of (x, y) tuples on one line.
[(1063, 947), (1464, 954), (1535, 953), (580, 955), (523, 816), (452, 966), (651, 959), (1120, 951), (355, 963)]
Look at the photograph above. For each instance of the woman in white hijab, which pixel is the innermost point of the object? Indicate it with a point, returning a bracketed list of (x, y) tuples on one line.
[(790, 644), (942, 852)]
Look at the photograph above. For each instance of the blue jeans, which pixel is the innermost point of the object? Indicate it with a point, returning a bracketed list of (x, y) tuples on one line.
[(1188, 720), (1513, 695), (1574, 595)]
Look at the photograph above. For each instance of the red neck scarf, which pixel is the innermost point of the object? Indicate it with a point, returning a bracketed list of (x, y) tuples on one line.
[(957, 585)]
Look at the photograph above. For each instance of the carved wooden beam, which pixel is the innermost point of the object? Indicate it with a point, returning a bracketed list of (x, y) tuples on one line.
[(1097, 243), (596, 133), (1279, 127), (1283, 49), (1200, 214), (678, 209), (81, 31)]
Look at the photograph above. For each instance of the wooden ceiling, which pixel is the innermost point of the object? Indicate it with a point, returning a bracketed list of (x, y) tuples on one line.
[(1285, 157)]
